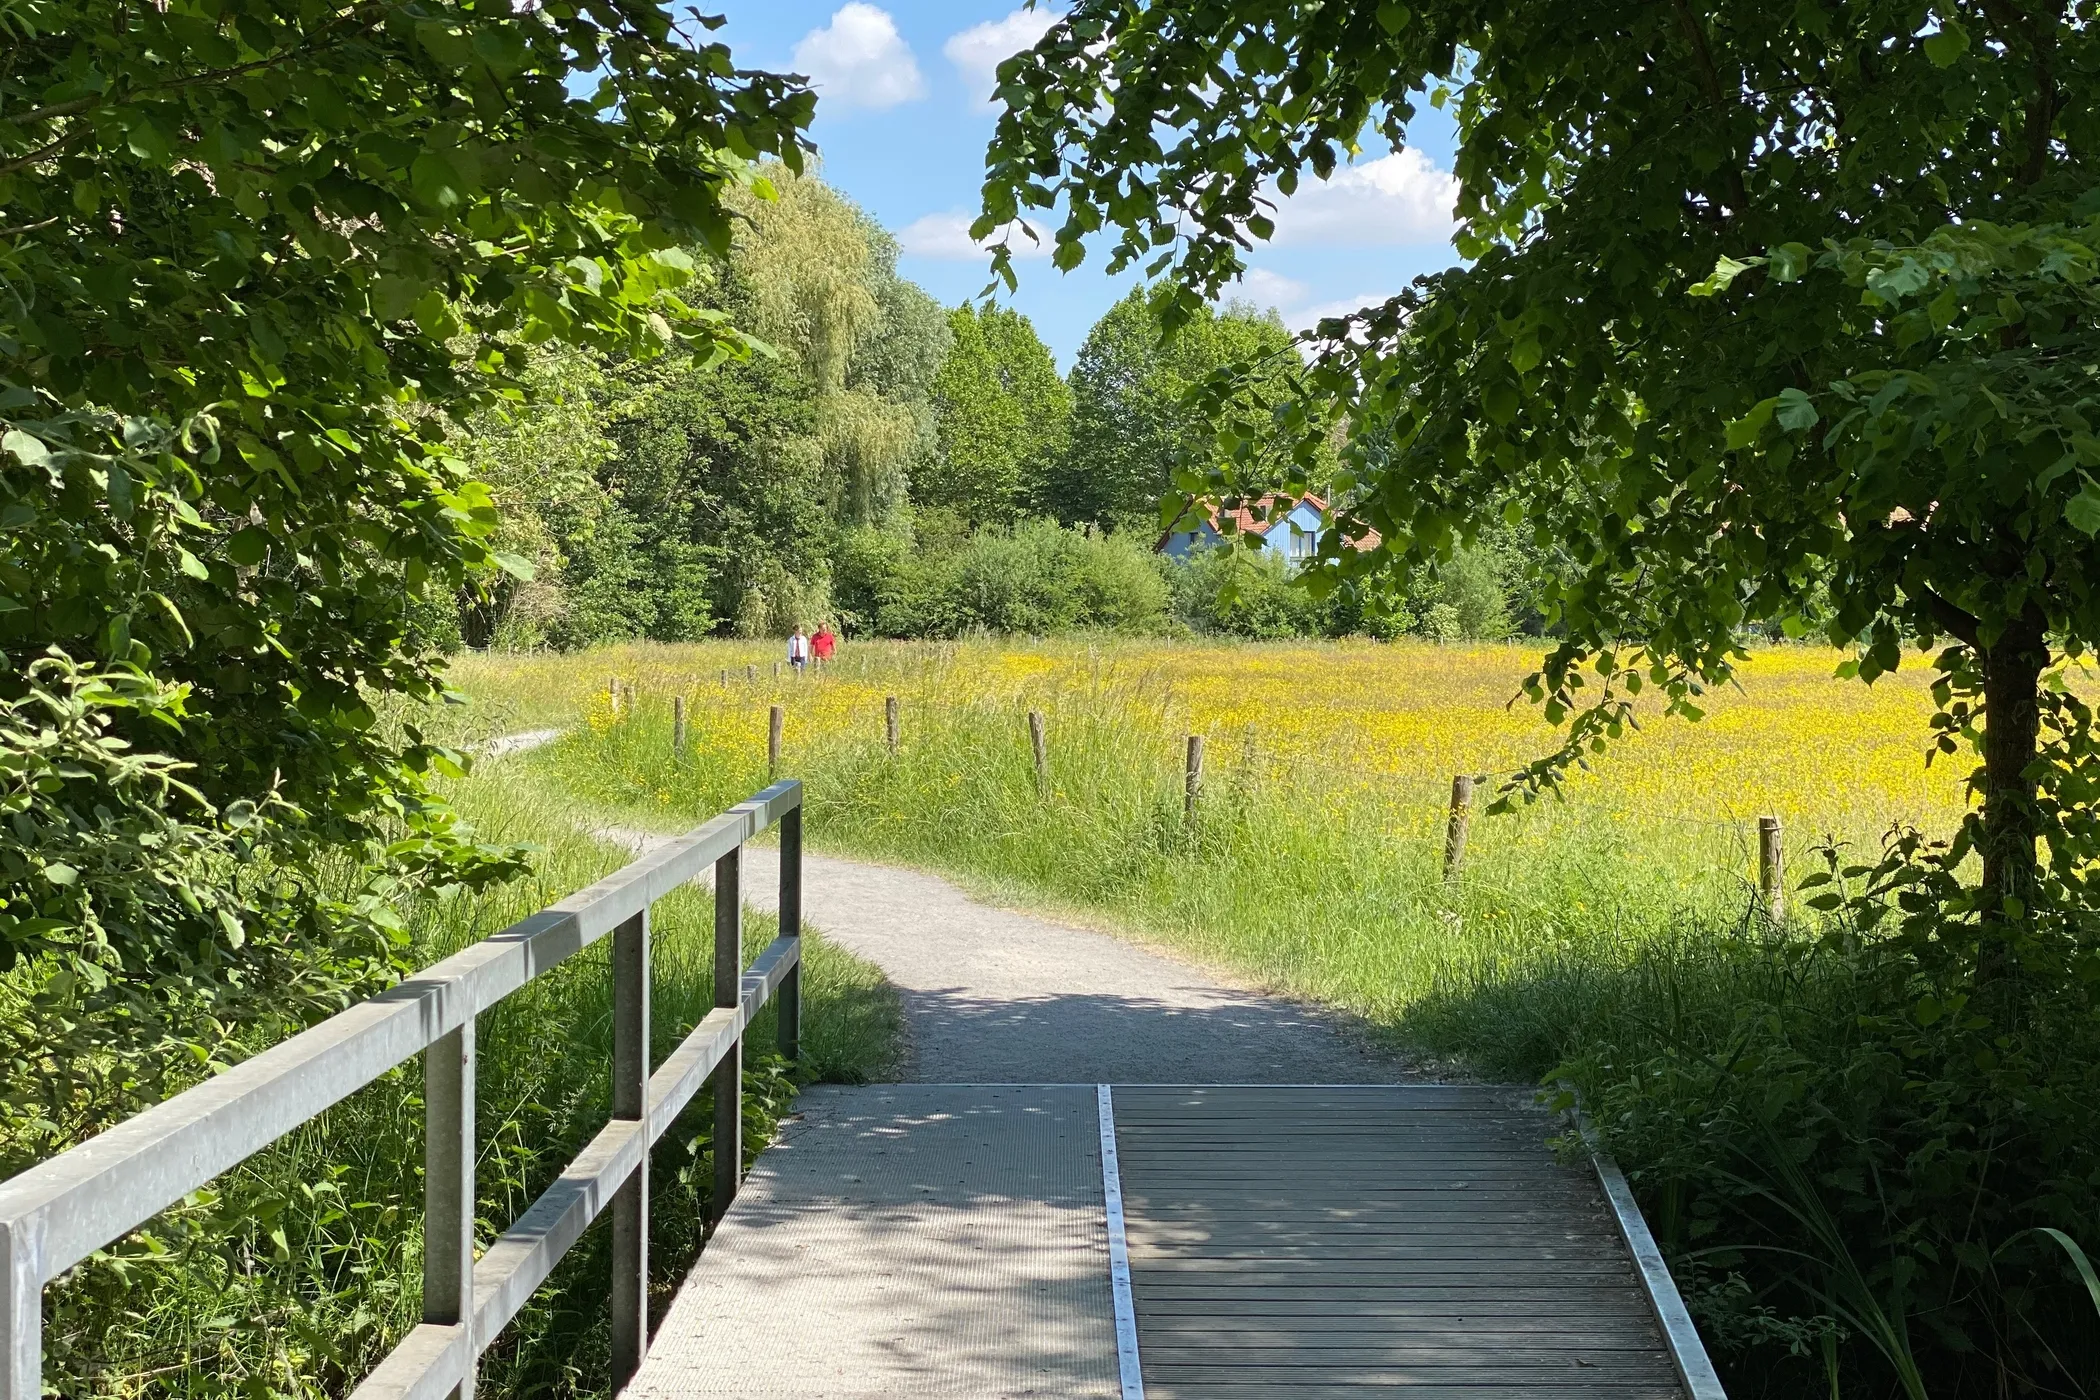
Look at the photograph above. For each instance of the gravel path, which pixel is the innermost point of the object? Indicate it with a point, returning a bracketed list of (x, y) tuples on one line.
[(993, 996)]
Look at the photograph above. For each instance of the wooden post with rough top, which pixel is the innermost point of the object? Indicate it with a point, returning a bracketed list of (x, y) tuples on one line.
[(1460, 824), (678, 724), (1041, 746), (1771, 868), (751, 673), (776, 721), (889, 717), (1192, 780), (612, 695)]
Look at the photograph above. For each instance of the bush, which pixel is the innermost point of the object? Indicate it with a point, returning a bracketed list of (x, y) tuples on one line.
[(1038, 579)]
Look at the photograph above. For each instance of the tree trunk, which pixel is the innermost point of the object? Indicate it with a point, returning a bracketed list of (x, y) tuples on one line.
[(2012, 674)]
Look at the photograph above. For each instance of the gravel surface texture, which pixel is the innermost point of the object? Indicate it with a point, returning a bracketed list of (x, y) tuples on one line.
[(994, 996)]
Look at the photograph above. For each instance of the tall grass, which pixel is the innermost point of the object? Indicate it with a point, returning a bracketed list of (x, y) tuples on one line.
[(293, 1273)]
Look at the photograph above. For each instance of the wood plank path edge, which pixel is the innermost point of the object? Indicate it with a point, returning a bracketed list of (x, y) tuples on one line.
[(1317, 1242)]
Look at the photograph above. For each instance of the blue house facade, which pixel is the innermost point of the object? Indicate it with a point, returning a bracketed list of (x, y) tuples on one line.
[(1291, 534)]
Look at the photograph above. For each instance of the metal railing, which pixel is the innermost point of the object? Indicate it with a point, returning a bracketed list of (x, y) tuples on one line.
[(57, 1213)]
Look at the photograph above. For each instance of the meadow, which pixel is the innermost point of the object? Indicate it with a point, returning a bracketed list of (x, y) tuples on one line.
[(1314, 864), (1851, 1184)]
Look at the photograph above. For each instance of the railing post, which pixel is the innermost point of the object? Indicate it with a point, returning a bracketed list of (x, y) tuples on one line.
[(21, 1320), (448, 1186), (630, 1101), (790, 1002), (729, 991)]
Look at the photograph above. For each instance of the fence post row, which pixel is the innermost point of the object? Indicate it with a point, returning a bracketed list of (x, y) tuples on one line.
[(60, 1211), (1460, 824)]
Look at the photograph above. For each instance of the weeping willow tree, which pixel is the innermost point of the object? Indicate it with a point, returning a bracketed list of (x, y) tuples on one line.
[(826, 292)]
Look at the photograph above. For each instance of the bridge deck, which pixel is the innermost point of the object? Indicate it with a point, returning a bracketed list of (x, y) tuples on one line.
[(945, 1240)]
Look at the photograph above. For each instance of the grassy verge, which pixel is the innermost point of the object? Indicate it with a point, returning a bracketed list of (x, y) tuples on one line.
[(292, 1274), (1849, 1181)]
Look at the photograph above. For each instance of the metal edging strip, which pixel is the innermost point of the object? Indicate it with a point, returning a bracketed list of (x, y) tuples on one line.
[(1118, 1251), (1687, 1352)]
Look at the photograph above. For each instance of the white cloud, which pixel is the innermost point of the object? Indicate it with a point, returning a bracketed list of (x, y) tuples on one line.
[(947, 236), (1292, 299), (1398, 198), (978, 51), (860, 60)]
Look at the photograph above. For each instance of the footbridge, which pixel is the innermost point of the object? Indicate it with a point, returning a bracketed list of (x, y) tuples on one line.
[(1183, 1241)]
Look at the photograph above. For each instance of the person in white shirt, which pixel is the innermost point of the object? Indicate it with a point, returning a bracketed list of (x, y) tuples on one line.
[(798, 651)]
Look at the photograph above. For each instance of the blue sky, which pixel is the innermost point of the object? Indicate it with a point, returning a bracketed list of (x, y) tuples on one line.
[(903, 119)]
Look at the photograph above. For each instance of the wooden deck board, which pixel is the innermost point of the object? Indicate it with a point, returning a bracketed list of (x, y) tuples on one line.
[(1322, 1244)]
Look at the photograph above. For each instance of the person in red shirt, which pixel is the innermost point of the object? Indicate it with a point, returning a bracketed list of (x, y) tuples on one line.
[(823, 644)]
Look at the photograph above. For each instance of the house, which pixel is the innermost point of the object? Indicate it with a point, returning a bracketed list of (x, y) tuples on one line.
[(1272, 523)]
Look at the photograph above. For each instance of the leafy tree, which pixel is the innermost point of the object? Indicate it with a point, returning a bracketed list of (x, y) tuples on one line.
[(1894, 398), (242, 246), (1132, 423), (1003, 416)]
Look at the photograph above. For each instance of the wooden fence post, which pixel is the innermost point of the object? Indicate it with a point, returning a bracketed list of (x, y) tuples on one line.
[(788, 1017), (1771, 868), (448, 1183), (630, 1101), (612, 694), (678, 724), (1461, 822), (725, 678), (751, 673), (729, 1075), (776, 672), (1037, 742), (775, 722), (889, 717), (1192, 780)]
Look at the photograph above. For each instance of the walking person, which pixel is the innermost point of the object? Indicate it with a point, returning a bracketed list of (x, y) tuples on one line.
[(798, 651), (823, 644)]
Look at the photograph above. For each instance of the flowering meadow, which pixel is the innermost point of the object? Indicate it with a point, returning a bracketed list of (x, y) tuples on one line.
[(1313, 864)]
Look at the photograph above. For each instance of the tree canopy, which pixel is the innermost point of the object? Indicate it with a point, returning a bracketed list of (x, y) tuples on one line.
[(1003, 416), (1761, 307), (253, 259), (1133, 426)]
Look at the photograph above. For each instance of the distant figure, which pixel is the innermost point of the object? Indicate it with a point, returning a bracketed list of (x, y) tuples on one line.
[(798, 651), (824, 643)]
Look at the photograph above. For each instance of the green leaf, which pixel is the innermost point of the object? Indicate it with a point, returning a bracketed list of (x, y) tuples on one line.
[(1948, 45), (249, 547), (1725, 271), (516, 565), (2083, 509), (29, 451), (1744, 431), (59, 873), (1393, 17), (1796, 411)]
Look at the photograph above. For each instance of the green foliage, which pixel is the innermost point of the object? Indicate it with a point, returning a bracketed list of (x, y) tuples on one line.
[(1035, 578), (1579, 367), (1133, 426), (1003, 416)]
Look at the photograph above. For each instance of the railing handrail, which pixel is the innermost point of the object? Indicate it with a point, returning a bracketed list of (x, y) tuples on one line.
[(58, 1212)]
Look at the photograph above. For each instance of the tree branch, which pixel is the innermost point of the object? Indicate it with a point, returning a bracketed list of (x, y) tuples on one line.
[(1710, 76), (1959, 623)]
